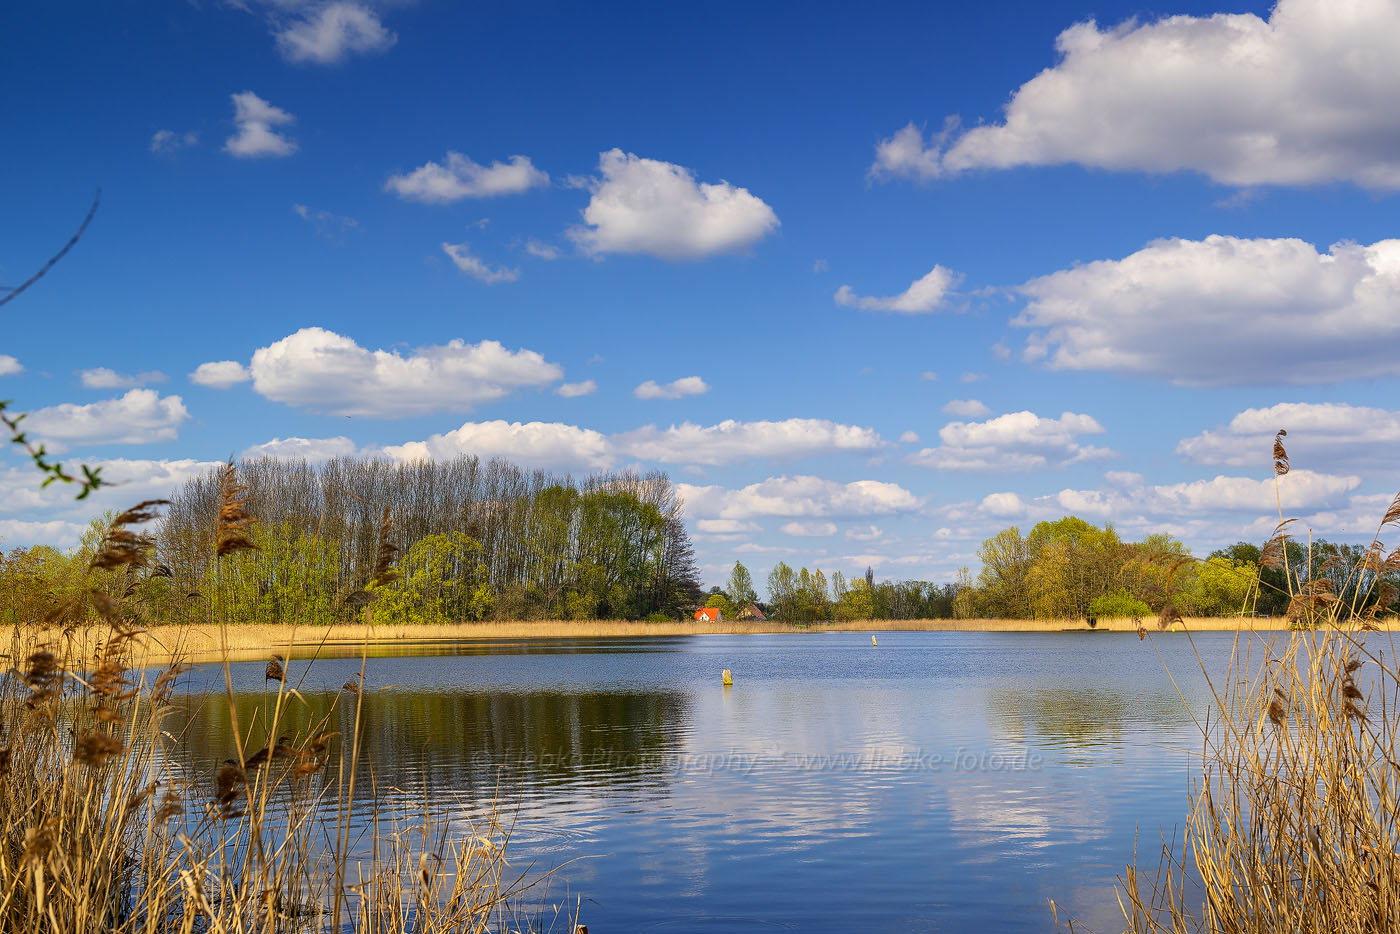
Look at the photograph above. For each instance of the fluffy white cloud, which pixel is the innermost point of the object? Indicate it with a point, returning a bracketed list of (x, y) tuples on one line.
[(726, 526), (326, 372), (1223, 311), (55, 532), (254, 119), (1301, 98), (648, 206), (1327, 433), (460, 177), (574, 390), (909, 437), (798, 497), (924, 295), (905, 155), (685, 386), (1191, 507), (1011, 442), (9, 366), (864, 533), (140, 417), (104, 378), (731, 441), (808, 529), (546, 445), (168, 142), (308, 449), (220, 374), (328, 34), (966, 408), (477, 268), (126, 482)]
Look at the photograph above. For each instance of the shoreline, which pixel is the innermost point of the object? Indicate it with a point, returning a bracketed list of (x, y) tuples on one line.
[(202, 643)]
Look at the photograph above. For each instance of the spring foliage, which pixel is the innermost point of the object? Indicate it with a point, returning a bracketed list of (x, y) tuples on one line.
[(475, 541)]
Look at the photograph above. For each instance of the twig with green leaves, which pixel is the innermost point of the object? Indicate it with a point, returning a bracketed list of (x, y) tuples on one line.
[(53, 470)]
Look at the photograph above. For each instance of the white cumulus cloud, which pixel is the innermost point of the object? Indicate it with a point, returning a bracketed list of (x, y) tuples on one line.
[(142, 416), (648, 206), (726, 526), (323, 371), (1013, 442), (459, 177), (9, 366), (1304, 490), (1223, 311), (966, 408), (254, 120), (545, 445), (1319, 434), (105, 378), (220, 374), (808, 529), (477, 268), (924, 295), (798, 497), (1301, 98), (40, 512), (308, 449), (574, 390), (731, 441), (328, 34), (685, 386)]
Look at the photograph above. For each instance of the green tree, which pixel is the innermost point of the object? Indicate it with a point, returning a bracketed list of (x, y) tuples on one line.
[(1003, 581), (740, 588), (723, 604), (1219, 587), (782, 591), (1117, 605)]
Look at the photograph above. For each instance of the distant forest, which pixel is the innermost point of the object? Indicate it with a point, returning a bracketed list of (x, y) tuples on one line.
[(477, 540), (1071, 569)]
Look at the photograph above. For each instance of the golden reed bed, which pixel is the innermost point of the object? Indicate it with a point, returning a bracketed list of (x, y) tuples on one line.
[(253, 642)]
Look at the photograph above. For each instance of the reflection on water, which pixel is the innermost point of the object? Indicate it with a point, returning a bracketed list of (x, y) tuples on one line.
[(942, 781)]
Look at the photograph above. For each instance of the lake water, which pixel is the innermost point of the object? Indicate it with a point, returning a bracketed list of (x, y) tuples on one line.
[(937, 782)]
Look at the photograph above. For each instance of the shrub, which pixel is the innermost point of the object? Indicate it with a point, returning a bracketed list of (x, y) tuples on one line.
[(1117, 605)]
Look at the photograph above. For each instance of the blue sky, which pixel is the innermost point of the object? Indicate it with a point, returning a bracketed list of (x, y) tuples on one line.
[(871, 280)]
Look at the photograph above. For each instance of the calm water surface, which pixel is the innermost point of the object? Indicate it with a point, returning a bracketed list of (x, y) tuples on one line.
[(939, 782)]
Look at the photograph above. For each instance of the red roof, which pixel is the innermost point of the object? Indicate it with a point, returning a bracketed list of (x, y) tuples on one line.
[(710, 613)]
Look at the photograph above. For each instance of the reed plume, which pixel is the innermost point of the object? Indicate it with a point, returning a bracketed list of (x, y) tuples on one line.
[(234, 518)]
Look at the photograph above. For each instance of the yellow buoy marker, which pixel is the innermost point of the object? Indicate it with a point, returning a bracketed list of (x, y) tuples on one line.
[(872, 641), (728, 678)]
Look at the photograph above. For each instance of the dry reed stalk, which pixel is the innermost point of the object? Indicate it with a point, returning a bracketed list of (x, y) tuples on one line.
[(1295, 820), (100, 831)]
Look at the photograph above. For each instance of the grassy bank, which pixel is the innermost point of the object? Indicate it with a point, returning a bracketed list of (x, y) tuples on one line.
[(251, 642)]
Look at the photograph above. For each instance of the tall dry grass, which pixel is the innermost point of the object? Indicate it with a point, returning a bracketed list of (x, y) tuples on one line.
[(104, 827), (1295, 818), (251, 641)]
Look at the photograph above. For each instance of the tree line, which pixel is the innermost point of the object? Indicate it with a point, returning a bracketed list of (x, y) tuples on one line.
[(1071, 569), (488, 540), (475, 540), (809, 597)]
